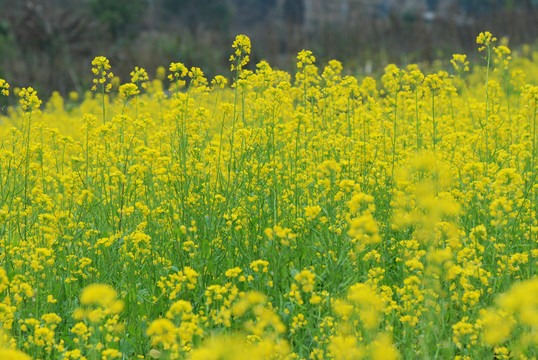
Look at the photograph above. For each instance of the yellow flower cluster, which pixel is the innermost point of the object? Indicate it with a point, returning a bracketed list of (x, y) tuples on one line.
[(269, 215), (139, 76), (4, 87), (28, 99), (485, 39), (240, 57), (101, 70)]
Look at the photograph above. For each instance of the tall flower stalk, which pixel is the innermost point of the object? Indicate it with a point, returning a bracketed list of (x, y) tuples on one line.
[(486, 40), (103, 75)]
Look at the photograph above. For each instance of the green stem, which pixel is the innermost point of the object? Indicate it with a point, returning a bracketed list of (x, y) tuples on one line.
[(417, 120), (394, 134), (485, 127), (434, 134)]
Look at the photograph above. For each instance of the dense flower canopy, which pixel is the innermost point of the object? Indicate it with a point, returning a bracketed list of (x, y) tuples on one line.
[(313, 216)]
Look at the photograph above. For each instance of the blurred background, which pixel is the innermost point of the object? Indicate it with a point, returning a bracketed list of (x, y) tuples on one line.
[(49, 44)]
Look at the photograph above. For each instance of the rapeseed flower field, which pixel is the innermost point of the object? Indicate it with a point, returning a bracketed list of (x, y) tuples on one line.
[(270, 216)]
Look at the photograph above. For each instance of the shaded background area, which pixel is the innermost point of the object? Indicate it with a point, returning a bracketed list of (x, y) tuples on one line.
[(49, 44)]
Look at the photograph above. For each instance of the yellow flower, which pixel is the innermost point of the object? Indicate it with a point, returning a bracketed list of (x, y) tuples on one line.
[(305, 57), (101, 70), (80, 329), (382, 348), (4, 281), (306, 279), (12, 354), (178, 70), (257, 264), (51, 318), (238, 348), (460, 63), (219, 82), (111, 354), (312, 211), (364, 301), (364, 229), (485, 39), (101, 295), (240, 57), (28, 99), (233, 272), (4, 87), (460, 330), (162, 332), (178, 308), (497, 326), (433, 81), (139, 76), (346, 347), (251, 299), (128, 90)]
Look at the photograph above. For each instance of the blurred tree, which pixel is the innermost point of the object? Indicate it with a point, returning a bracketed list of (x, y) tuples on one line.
[(480, 7), (250, 12), (211, 14), (45, 42), (294, 11), (122, 17)]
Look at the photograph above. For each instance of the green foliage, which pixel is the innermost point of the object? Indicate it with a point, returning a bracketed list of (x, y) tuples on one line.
[(122, 17), (213, 14)]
